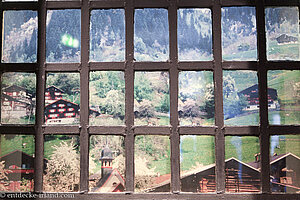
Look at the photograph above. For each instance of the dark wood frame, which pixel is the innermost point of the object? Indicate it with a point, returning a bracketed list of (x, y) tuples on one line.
[(264, 130)]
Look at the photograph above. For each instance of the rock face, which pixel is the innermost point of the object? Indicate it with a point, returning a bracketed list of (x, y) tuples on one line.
[(284, 39)]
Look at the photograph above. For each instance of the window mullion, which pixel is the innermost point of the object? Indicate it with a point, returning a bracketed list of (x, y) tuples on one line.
[(219, 118), (175, 138), (40, 103), (263, 111), (129, 96), (84, 97)]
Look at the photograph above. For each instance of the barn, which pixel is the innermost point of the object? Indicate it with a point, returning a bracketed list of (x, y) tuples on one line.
[(252, 96)]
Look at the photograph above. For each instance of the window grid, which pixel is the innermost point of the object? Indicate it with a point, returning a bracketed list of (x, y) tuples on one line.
[(264, 130)]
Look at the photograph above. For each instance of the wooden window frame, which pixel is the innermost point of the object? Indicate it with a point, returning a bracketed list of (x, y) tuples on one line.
[(173, 66)]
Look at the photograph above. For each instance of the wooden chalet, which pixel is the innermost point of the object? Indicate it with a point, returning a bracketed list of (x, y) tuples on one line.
[(285, 172), (110, 180), (19, 166), (240, 177), (252, 96), (53, 94), (63, 112), (16, 102)]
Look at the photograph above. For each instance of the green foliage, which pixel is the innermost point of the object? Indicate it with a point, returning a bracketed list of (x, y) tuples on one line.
[(142, 88), (156, 149), (68, 82), (248, 146), (10, 143), (107, 81), (196, 150), (164, 104)]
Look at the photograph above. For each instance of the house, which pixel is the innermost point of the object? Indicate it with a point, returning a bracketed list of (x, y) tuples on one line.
[(252, 96), (16, 102), (286, 39), (285, 172), (62, 112), (240, 177), (53, 94), (110, 180), (19, 166)]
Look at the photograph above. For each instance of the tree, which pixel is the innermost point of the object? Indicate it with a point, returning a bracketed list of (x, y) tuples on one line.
[(228, 86), (62, 173), (142, 88)]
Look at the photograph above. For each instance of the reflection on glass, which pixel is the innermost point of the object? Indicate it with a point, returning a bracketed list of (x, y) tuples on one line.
[(107, 98), (107, 164), (196, 103), (16, 163), (282, 33), (63, 36), (107, 32), (240, 98), (284, 101), (151, 98), (194, 34), (152, 164), (239, 40), (285, 162), (242, 164), (19, 36), (62, 170), (151, 35), (62, 98), (197, 164), (18, 98)]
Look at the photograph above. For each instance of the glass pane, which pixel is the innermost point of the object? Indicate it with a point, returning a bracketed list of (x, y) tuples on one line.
[(197, 164), (284, 98), (62, 98), (107, 98), (239, 40), (16, 163), (285, 163), (282, 33), (242, 164), (62, 171), (194, 34), (63, 36), (152, 163), (107, 164), (240, 98), (107, 35), (19, 36), (151, 98), (18, 98), (196, 102), (151, 35)]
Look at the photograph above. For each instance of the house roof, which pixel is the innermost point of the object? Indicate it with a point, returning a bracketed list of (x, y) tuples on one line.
[(110, 182), (274, 159), (165, 179), (52, 86), (13, 99), (271, 91), (61, 101), (14, 88), (17, 151)]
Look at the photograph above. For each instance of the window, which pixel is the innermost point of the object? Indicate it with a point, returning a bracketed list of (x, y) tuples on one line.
[(179, 99)]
